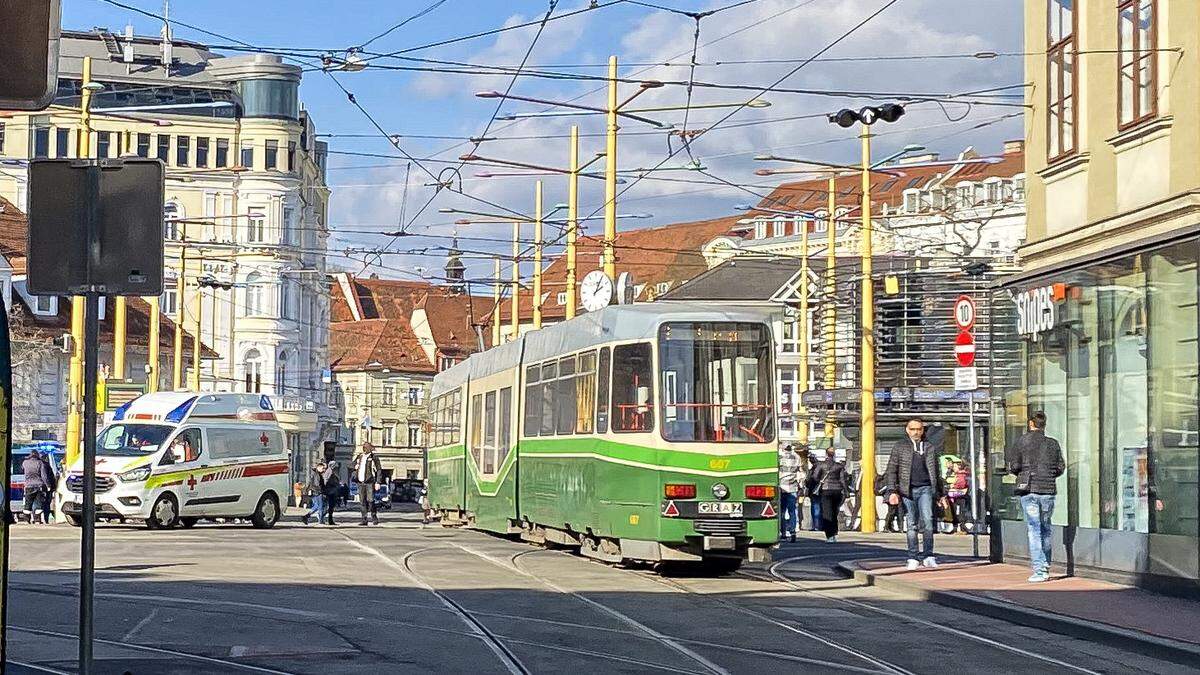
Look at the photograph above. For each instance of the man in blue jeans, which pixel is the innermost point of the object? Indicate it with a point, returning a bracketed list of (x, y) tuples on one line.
[(789, 492), (1037, 461), (912, 475)]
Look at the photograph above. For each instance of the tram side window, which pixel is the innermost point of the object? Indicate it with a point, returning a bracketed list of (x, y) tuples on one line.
[(564, 413), (489, 433), (585, 393), (533, 401), (504, 435), (632, 393), (549, 374), (602, 392), (477, 428)]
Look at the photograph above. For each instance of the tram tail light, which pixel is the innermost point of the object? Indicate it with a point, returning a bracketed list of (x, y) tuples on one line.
[(679, 491), (760, 492)]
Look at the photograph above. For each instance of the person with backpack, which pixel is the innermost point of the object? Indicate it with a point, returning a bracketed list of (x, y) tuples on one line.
[(1037, 462), (832, 486), (332, 487), (315, 491)]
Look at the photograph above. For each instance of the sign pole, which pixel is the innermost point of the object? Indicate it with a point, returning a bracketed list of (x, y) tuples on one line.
[(87, 554), (974, 477)]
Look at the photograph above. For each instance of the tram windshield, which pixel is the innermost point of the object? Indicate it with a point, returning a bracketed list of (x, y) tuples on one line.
[(716, 382)]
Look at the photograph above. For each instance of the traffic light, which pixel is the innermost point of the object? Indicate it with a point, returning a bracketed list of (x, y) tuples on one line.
[(889, 112), (29, 36)]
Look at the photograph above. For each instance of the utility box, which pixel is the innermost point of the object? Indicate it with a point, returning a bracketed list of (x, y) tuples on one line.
[(30, 31), (96, 226)]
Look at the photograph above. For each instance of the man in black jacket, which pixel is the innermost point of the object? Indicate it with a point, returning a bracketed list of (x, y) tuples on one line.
[(913, 476), (1037, 461), (368, 472)]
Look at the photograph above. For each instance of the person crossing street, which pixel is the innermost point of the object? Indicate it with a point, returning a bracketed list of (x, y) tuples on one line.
[(789, 492), (368, 472), (914, 478), (315, 491)]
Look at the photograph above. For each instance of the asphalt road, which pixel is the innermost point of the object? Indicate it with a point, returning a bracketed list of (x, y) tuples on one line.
[(403, 598)]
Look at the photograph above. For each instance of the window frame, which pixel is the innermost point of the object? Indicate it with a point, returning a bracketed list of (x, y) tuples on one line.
[(651, 405), (202, 147), (1063, 47), (1138, 115)]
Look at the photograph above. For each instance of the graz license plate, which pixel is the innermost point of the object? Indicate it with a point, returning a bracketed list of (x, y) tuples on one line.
[(720, 508)]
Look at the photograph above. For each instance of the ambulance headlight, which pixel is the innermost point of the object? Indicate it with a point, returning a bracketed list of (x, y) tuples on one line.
[(136, 476)]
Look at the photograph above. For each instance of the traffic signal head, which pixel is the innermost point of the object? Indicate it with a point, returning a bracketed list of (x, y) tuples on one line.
[(29, 37), (844, 118), (890, 112)]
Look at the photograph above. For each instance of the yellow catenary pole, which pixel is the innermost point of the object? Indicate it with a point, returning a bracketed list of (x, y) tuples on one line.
[(152, 358), (516, 280), (537, 256), (802, 385), (572, 221), (610, 176), (197, 343), (496, 302), (830, 330), (177, 362), (75, 370), (866, 487), (118, 367)]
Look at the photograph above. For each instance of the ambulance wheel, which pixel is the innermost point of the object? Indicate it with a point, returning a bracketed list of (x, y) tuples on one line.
[(188, 522), (73, 521), (164, 515), (266, 514)]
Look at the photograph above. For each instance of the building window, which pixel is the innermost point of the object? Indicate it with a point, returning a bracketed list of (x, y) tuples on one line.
[(252, 366), (247, 155), (760, 229), (912, 201), (389, 395), (202, 152), (143, 145), (414, 396), (788, 391), (288, 225), (291, 156), (164, 148), (1, 138), (993, 191), (965, 195), (386, 438), (255, 295), (1137, 39), (168, 302), (281, 374), (778, 227), (62, 143), (171, 216), (256, 226), (561, 298), (446, 363), (414, 435), (41, 142), (45, 305), (222, 153), (1060, 58), (183, 150), (1019, 188), (103, 144), (272, 155)]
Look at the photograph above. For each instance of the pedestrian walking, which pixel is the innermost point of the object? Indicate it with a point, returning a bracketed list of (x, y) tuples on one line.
[(832, 485), (315, 491), (1037, 462), (789, 491), (367, 471), (915, 478), (37, 481), (814, 497), (802, 480), (332, 488), (958, 491)]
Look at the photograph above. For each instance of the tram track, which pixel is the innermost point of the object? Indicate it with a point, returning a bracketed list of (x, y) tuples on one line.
[(773, 575)]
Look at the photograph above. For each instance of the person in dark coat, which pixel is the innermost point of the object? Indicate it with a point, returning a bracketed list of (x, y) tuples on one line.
[(1037, 462), (832, 486), (368, 472), (37, 482), (51, 485), (913, 476), (333, 490)]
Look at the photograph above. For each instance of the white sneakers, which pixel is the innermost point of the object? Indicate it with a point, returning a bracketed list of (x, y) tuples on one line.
[(912, 565), (831, 540), (1038, 577), (930, 562)]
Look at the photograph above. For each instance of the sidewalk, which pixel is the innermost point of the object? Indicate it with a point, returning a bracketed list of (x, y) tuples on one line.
[(1156, 625)]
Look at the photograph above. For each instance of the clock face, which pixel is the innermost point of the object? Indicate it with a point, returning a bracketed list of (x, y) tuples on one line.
[(596, 291)]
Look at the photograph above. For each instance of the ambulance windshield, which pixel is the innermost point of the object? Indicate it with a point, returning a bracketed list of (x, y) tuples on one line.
[(132, 440)]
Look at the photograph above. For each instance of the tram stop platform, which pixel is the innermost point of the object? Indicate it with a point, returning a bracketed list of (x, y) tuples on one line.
[(1149, 623)]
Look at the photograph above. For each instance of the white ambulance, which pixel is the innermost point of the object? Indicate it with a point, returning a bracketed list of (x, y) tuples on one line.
[(173, 458)]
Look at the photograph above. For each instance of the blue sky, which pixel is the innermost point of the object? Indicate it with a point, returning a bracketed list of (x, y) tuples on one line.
[(369, 198)]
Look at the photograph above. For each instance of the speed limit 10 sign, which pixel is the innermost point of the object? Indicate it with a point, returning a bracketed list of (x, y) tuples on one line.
[(964, 313)]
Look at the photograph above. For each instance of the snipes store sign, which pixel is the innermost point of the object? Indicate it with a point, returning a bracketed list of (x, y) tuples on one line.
[(1037, 309)]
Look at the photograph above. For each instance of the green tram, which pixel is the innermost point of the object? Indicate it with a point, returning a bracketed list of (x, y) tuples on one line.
[(637, 432)]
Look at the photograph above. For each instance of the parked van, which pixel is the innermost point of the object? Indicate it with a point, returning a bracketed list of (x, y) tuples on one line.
[(173, 458)]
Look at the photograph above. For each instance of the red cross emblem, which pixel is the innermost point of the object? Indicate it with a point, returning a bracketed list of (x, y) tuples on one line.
[(191, 482), (263, 439)]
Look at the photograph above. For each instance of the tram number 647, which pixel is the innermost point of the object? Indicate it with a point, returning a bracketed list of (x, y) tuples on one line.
[(718, 464)]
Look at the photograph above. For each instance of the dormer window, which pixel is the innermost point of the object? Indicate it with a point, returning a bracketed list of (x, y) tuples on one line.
[(779, 227), (993, 191), (760, 229), (912, 201), (1018, 185), (966, 194)]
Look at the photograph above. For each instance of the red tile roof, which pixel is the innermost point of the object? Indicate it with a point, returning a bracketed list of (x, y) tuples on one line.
[(374, 344)]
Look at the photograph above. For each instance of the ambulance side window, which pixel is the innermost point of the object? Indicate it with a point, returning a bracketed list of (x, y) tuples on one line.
[(185, 447)]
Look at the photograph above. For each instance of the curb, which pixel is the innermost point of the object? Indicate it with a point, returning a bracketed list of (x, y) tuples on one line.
[(1165, 649)]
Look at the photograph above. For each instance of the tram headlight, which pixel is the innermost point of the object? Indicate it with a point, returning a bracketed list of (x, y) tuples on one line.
[(720, 490)]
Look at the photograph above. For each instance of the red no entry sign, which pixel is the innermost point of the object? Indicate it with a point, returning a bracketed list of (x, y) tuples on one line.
[(964, 349)]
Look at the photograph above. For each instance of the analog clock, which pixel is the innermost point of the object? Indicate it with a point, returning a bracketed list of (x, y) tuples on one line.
[(596, 291)]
